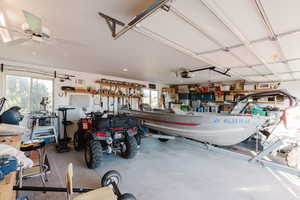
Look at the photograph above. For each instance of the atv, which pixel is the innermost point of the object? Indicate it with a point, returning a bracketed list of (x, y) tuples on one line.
[(99, 136)]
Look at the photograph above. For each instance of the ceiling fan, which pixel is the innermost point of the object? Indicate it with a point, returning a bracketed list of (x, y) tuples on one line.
[(34, 30), (184, 73)]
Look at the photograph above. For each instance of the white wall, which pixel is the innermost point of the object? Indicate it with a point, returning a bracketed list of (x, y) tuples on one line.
[(293, 87), (58, 100)]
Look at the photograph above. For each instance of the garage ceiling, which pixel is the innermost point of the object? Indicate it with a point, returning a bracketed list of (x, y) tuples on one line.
[(193, 34), (258, 39)]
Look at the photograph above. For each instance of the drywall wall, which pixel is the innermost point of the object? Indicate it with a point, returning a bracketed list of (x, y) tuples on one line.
[(61, 99), (293, 87)]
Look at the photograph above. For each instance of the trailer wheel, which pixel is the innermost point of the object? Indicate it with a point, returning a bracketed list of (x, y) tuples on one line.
[(127, 196), (163, 140), (77, 143), (93, 154), (109, 177), (130, 148), (293, 158)]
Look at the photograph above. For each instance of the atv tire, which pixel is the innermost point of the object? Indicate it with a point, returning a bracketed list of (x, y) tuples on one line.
[(131, 148), (93, 154), (127, 196), (78, 146), (138, 138), (163, 140)]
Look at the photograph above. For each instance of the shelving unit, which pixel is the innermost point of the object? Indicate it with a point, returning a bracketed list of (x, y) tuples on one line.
[(113, 88), (220, 95), (79, 92), (118, 85)]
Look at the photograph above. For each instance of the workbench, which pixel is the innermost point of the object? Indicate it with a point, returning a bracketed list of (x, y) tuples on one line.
[(6, 186)]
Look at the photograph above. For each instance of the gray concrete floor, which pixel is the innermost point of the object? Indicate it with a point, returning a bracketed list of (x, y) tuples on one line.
[(176, 170)]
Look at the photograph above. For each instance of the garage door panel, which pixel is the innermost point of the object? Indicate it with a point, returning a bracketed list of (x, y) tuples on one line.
[(294, 65), (279, 67), (175, 29), (245, 55), (284, 15), (296, 75), (266, 50), (258, 78), (272, 77), (224, 59), (244, 15), (195, 11), (261, 69), (285, 76), (290, 45), (243, 71)]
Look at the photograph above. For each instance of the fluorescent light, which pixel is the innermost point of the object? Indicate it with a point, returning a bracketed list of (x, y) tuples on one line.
[(3, 32)]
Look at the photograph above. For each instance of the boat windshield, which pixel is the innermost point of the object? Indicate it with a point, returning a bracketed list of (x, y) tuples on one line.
[(239, 107), (264, 98)]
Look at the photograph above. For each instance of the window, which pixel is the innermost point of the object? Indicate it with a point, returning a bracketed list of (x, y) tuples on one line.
[(146, 96), (27, 92), (151, 97)]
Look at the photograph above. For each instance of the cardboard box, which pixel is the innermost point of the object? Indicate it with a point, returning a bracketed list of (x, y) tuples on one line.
[(225, 88), (249, 87), (229, 97), (225, 108), (261, 86), (239, 85), (219, 98), (169, 90)]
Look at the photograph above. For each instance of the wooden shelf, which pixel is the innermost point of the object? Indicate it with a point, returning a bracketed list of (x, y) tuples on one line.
[(253, 102), (249, 91), (267, 102), (79, 92), (114, 85), (121, 96)]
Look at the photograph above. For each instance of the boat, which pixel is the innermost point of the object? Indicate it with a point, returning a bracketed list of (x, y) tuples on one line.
[(214, 128)]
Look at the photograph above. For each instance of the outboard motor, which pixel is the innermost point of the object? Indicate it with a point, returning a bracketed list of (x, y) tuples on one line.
[(10, 116)]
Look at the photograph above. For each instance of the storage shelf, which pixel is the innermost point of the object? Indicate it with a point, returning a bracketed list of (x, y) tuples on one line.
[(121, 96), (116, 85), (267, 102), (254, 102), (249, 91), (79, 92)]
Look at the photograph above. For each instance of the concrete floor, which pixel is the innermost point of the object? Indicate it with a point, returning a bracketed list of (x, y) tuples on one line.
[(175, 170)]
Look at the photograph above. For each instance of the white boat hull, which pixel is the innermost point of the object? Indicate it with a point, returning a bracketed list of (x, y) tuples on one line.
[(212, 128)]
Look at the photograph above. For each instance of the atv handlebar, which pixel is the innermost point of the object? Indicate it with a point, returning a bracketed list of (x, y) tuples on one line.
[(95, 114)]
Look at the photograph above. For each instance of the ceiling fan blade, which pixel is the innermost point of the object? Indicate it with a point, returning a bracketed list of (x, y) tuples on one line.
[(69, 42), (34, 22), (16, 42), (11, 29)]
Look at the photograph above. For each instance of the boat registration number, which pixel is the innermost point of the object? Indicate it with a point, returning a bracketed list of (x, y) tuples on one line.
[(231, 121)]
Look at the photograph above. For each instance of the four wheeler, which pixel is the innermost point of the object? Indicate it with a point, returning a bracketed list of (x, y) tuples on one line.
[(98, 136), (84, 125)]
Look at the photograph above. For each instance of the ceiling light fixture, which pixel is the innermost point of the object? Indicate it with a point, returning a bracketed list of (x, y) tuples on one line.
[(4, 33), (125, 70)]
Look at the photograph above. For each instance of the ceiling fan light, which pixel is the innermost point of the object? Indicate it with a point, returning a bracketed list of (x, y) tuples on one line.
[(4, 33)]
